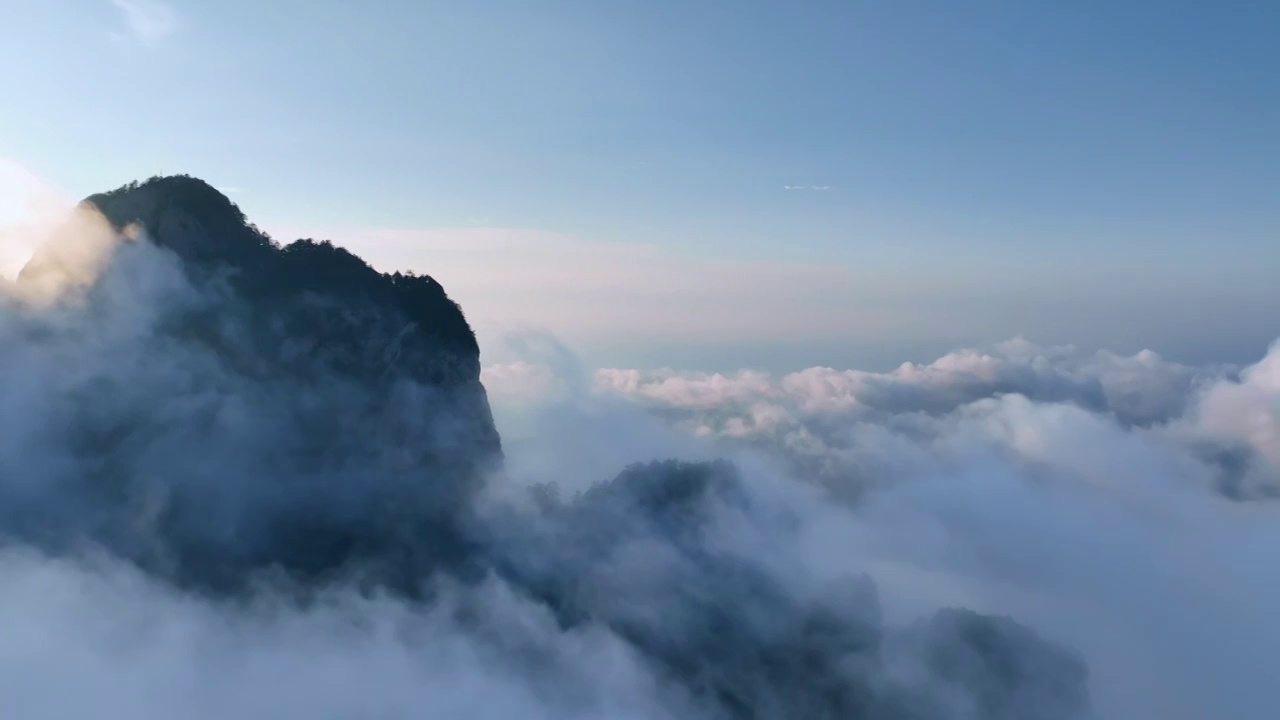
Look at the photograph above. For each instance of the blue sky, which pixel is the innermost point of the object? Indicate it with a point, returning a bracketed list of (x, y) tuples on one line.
[(1101, 173)]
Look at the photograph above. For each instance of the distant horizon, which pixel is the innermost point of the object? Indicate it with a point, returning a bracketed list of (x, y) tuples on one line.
[(391, 250), (847, 183)]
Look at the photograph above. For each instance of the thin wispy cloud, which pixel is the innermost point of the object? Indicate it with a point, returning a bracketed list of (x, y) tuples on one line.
[(147, 22), (818, 188)]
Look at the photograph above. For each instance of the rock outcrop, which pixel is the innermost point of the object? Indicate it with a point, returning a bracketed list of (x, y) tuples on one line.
[(312, 374)]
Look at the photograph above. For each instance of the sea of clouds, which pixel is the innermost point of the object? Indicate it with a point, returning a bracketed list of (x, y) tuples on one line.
[(1119, 506), (1122, 504)]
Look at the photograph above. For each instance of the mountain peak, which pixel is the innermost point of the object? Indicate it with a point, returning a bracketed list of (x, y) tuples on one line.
[(189, 216), (187, 185), (212, 235), (359, 355)]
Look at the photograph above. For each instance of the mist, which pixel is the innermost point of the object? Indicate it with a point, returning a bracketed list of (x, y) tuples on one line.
[(167, 499), (1122, 503)]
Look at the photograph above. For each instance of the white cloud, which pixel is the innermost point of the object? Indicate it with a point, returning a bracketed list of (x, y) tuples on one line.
[(1243, 415), (104, 641), (846, 429), (1248, 409), (147, 21), (518, 382), (690, 390), (1142, 388), (1068, 488), (30, 207)]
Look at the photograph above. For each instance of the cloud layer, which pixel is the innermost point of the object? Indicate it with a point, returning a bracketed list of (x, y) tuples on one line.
[(1221, 418), (1121, 501), (202, 515), (1120, 506)]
